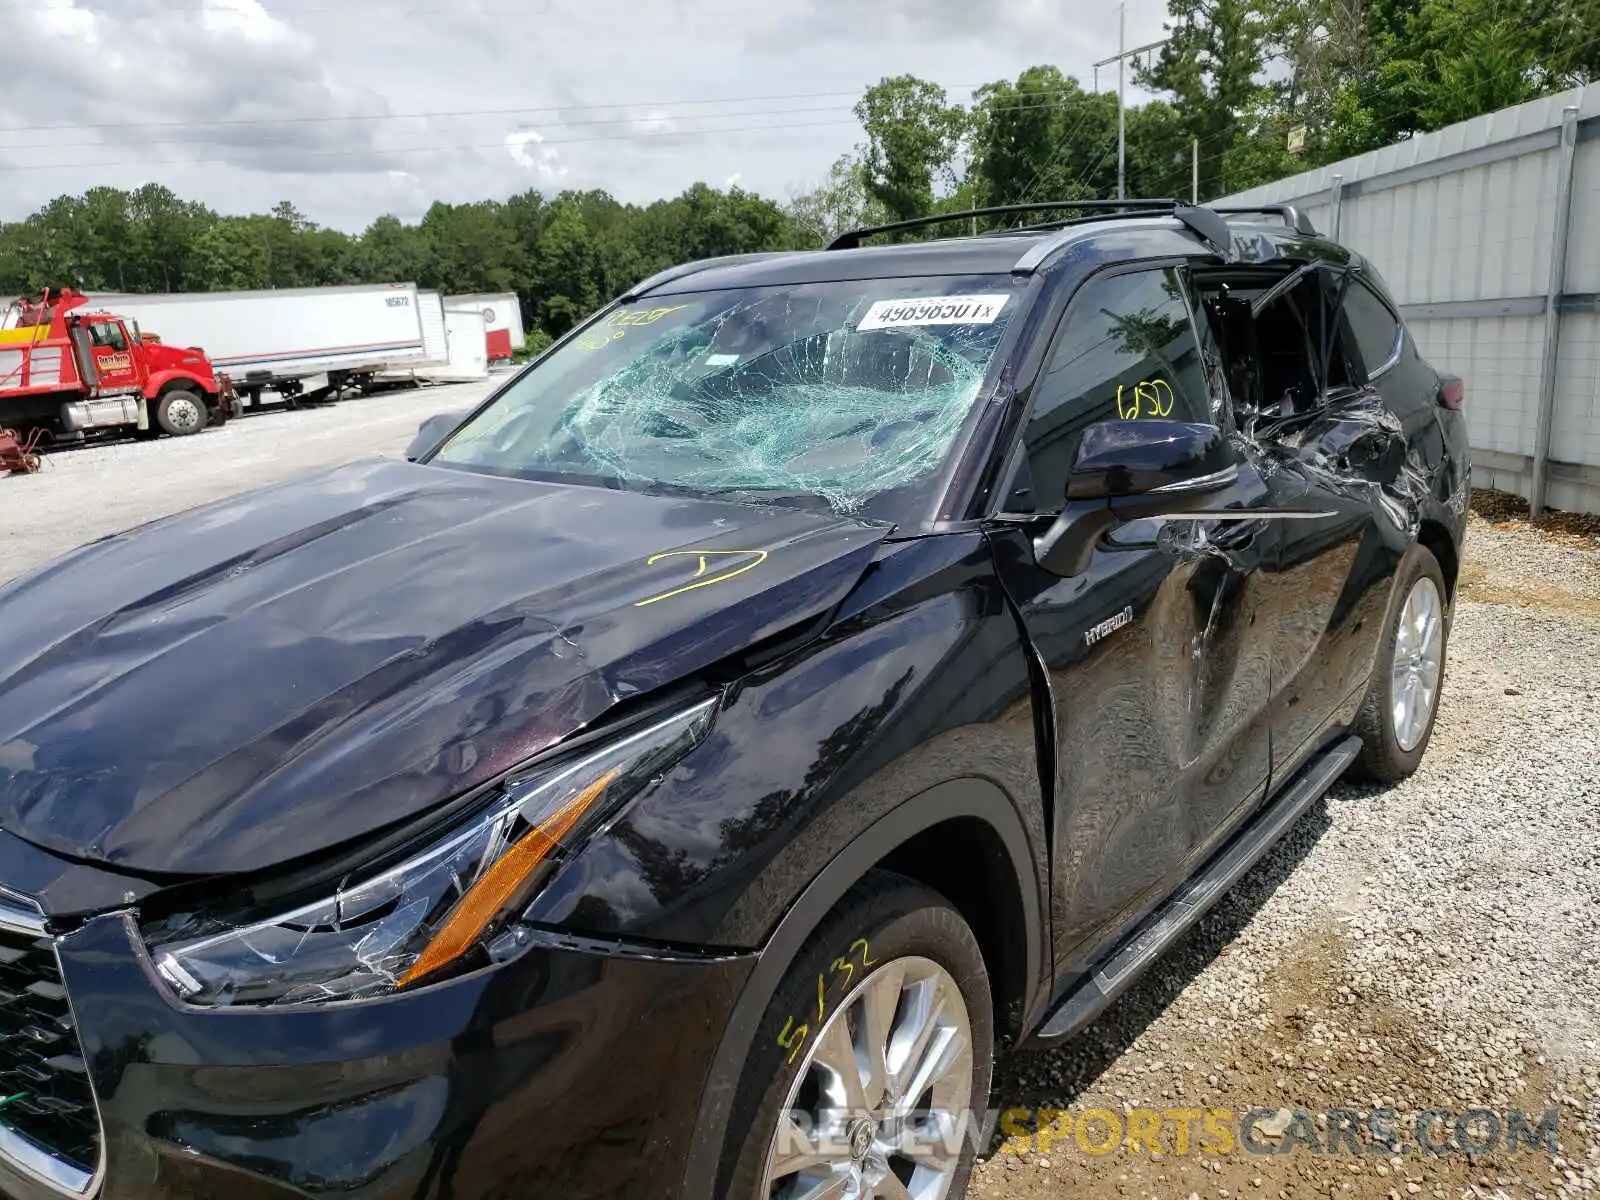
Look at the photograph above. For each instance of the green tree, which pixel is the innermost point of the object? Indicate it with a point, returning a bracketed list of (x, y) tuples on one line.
[(235, 254), (1212, 64), (164, 231), (475, 246), (566, 270), (1042, 138), (839, 203), (913, 134), (391, 251)]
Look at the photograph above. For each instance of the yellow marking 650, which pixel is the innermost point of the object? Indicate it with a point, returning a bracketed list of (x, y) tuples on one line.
[(1148, 398), (757, 557)]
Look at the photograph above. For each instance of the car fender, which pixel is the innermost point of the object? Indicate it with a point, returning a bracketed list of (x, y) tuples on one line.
[(975, 798), (162, 380)]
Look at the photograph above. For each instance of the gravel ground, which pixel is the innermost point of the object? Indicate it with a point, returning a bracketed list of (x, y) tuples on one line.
[(1428, 945), (85, 493)]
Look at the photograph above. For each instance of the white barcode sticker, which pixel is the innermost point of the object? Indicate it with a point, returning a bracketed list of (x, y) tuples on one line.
[(934, 310)]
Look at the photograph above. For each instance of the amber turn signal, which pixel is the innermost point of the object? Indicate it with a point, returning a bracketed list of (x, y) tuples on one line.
[(494, 889)]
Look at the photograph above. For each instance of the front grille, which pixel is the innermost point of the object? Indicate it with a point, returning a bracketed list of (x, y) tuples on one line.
[(44, 1082)]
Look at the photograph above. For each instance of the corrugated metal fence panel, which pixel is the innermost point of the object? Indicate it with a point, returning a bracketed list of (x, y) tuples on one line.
[(1583, 246), (1466, 217), (1499, 359), (1575, 433)]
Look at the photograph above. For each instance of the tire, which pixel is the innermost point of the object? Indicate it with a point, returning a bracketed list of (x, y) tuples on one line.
[(888, 936), (181, 412), (1391, 745), (217, 415)]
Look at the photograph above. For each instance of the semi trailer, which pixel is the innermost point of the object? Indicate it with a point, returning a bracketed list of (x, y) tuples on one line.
[(289, 343)]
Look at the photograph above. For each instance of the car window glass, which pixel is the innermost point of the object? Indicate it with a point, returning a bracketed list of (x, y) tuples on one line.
[(1371, 325), (108, 335), (845, 395), (1127, 349)]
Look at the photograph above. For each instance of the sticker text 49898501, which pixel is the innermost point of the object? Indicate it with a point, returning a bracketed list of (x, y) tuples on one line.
[(934, 310)]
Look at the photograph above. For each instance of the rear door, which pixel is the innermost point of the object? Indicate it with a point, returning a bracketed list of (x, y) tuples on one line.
[(1346, 456), (1157, 684)]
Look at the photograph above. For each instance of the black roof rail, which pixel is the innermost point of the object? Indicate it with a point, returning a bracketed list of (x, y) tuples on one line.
[(1287, 213), (853, 238)]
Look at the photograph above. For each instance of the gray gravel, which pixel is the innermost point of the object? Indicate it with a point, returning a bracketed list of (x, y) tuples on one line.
[(82, 494)]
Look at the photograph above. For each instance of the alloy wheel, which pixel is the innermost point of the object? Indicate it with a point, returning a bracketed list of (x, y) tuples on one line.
[(881, 1105), (1418, 663)]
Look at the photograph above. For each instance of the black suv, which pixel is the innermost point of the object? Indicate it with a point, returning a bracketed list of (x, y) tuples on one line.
[(681, 775)]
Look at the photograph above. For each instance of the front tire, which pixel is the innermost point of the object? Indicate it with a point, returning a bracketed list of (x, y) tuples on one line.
[(1396, 719), (181, 412), (870, 1071)]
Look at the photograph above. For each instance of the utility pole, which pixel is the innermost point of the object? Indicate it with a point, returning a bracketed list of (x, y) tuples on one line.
[(1194, 187), (1121, 58), (1122, 116)]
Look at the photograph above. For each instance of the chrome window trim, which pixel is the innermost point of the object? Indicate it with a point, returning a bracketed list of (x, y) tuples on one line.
[(1393, 360)]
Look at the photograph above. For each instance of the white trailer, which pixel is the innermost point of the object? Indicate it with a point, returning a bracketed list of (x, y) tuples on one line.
[(455, 344), (430, 312), (501, 313), (292, 341)]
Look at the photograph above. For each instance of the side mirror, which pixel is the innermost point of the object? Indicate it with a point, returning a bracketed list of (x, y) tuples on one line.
[(433, 431), (1129, 471)]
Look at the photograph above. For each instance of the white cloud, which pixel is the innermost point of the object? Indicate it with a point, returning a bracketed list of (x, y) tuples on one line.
[(543, 159), (245, 20), (61, 19), (246, 102)]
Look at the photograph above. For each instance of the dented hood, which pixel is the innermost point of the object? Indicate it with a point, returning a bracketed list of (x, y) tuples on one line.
[(275, 674)]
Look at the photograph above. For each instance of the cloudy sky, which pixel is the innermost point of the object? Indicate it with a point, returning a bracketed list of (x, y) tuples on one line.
[(353, 108)]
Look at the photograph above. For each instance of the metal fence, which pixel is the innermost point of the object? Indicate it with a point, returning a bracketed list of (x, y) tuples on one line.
[(1488, 234)]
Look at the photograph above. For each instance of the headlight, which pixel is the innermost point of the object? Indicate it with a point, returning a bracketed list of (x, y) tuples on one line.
[(400, 926)]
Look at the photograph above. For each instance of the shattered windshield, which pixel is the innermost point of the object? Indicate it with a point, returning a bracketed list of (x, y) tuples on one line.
[(832, 393)]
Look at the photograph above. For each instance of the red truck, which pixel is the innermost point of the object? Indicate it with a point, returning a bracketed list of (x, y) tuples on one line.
[(73, 370)]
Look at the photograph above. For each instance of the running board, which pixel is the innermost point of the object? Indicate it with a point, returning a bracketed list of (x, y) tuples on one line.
[(1189, 903)]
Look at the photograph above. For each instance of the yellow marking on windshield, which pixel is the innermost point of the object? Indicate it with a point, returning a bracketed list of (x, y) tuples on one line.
[(618, 324), (760, 556), (1149, 398)]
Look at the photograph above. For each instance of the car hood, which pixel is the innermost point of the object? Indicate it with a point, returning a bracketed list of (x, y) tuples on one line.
[(278, 673)]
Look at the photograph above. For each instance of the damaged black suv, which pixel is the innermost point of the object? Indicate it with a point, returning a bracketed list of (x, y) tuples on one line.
[(679, 775)]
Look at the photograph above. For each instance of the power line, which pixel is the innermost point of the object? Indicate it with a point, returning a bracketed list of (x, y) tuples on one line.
[(290, 140), (379, 152), (230, 122), (708, 116), (429, 115), (1065, 140)]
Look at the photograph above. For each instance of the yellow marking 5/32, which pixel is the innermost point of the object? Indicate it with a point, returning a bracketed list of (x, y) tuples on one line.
[(757, 557), (1149, 398)]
